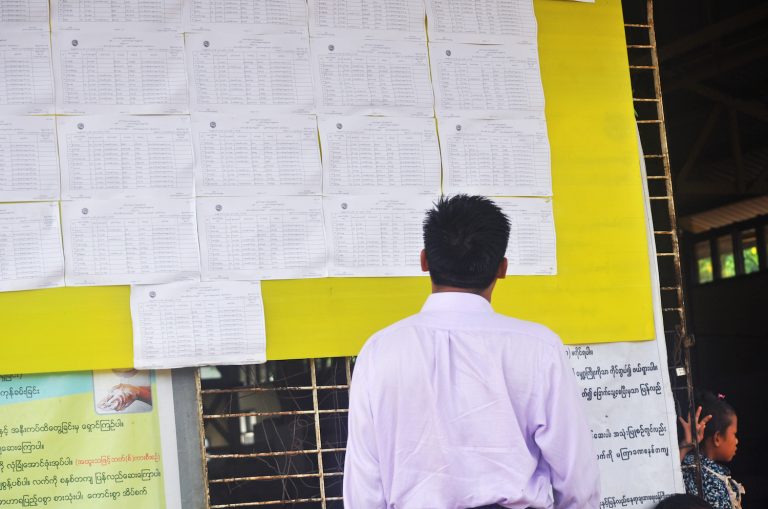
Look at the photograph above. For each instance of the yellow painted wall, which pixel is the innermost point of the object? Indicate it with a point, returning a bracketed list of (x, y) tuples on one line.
[(602, 291)]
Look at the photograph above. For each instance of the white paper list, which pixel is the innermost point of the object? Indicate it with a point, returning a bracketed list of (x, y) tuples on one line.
[(373, 236), (24, 13), (123, 15), (487, 81), (109, 72), (30, 246), (375, 155), (255, 16), (248, 155), (400, 19), (26, 80), (261, 238), (532, 248), (232, 70), (359, 76), (29, 169), (125, 156), (495, 157), (481, 21), (195, 324), (119, 242)]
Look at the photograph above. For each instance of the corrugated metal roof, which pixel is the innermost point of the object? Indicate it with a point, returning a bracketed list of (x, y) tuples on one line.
[(723, 216)]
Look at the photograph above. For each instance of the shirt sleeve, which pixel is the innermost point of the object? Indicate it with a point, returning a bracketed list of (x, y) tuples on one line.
[(563, 436), (362, 476)]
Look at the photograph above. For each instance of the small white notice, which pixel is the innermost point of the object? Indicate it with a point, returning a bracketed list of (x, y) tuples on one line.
[(26, 83), (481, 21), (250, 239), (30, 246), (496, 157), (125, 156), (398, 19), (376, 155), (195, 324), (118, 242), (532, 248), (29, 168), (364, 77), (230, 70), (112, 72), (487, 81), (626, 396), (374, 235), (248, 155)]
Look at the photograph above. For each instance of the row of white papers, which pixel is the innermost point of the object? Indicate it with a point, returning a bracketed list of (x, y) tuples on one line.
[(148, 73), (479, 21), (117, 242), (145, 157)]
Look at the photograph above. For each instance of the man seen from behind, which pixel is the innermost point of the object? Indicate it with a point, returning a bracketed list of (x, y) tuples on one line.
[(459, 407)]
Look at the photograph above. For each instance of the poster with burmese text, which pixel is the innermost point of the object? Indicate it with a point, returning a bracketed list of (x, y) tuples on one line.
[(90, 440)]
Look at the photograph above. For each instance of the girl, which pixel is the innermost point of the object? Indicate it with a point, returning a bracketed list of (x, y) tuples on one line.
[(717, 446)]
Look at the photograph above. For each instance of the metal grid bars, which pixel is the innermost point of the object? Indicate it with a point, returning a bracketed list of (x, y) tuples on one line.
[(274, 434), (649, 113)]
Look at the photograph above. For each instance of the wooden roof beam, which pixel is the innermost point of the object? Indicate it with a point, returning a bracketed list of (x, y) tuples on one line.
[(754, 109)]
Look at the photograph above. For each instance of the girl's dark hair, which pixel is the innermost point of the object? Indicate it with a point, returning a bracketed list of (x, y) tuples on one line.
[(721, 411)]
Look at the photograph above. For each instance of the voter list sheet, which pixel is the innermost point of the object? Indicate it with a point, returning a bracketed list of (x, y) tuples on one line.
[(487, 81), (29, 170), (251, 154), (481, 21), (375, 235), (532, 248), (26, 83), (278, 237), (126, 15), (355, 75), (125, 156), (255, 16), (393, 19), (234, 69), (375, 155), (24, 14), (119, 242), (135, 72), (495, 157), (194, 324), (30, 246)]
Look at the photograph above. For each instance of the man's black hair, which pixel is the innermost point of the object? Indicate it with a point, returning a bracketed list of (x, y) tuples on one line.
[(465, 238), (683, 502)]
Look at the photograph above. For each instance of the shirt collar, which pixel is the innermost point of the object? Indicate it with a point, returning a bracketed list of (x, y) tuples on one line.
[(458, 302)]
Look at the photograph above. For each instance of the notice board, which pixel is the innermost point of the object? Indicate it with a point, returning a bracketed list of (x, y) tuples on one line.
[(602, 291)]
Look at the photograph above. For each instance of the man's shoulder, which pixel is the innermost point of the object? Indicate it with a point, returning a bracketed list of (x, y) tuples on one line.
[(497, 323), (395, 328), (533, 331)]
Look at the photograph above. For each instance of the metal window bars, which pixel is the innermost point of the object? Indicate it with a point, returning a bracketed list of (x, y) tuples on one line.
[(274, 435), (649, 111)]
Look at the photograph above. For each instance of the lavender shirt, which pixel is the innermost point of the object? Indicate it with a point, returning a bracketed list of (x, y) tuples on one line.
[(459, 407)]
